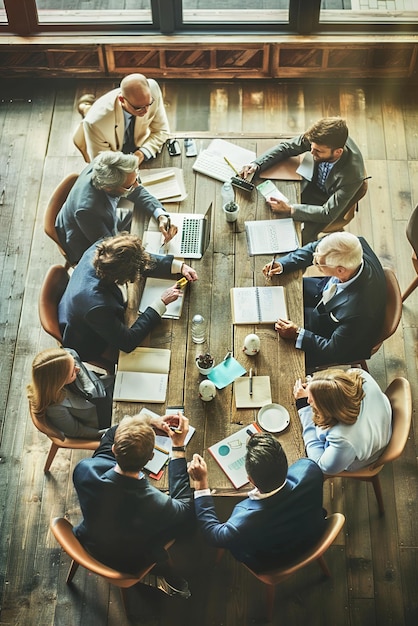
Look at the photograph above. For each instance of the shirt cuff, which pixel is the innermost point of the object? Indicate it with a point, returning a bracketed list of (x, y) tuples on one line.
[(199, 493), (147, 154), (158, 212), (299, 338), (159, 307), (176, 266)]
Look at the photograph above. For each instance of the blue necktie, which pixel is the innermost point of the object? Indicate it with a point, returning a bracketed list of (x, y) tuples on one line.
[(323, 171), (129, 143)]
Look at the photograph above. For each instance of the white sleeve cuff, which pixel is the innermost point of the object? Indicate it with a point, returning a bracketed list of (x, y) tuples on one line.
[(201, 492)]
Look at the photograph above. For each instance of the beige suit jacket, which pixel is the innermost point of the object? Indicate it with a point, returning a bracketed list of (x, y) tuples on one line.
[(103, 127)]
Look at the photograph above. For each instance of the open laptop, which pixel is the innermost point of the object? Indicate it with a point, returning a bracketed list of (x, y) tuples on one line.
[(191, 240)]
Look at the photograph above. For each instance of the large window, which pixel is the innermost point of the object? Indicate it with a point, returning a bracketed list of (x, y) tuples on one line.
[(210, 16)]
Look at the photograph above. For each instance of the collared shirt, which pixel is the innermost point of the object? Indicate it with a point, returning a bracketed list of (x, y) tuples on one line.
[(340, 287)]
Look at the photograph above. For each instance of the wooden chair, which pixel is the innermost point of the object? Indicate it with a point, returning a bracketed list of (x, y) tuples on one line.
[(59, 440), (399, 394), (62, 530), (412, 235), (341, 222), (54, 205), (393, 312), (52, 289), (334, 523)]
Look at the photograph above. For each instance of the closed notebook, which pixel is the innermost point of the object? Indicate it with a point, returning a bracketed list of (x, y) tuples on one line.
[(230, 454), (258, 305), (142, 375), (153, 289), (261, 392)]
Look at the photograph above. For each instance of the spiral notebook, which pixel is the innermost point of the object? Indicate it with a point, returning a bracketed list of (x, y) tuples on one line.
[(258, 305)]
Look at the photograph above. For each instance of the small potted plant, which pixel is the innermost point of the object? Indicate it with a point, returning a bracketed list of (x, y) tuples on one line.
[(204, 363), (231, 211)]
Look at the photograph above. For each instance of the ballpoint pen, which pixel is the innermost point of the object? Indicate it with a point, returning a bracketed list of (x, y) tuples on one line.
[(272, 263), (251, 381)]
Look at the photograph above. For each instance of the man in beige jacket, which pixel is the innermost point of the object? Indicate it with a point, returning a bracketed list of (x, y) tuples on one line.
[(131, 119)]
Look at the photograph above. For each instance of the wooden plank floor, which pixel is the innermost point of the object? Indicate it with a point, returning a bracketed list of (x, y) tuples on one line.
[(375, 561)]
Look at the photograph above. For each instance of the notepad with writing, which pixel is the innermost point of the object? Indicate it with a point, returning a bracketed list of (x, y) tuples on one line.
[(166, 184), (153, 289), (258, 305), (230, 454), (142, 375), (261, 392), (271, 236)]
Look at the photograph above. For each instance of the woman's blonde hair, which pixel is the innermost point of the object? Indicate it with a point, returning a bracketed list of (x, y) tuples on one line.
[(337, 396), (50, 369)]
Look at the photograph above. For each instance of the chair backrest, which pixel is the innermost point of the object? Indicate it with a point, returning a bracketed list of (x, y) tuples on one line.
[(54, 205), (412, 230), (393, 311), (334, 523), (52, 289), (399, 394), (44, 427), (341, 222)]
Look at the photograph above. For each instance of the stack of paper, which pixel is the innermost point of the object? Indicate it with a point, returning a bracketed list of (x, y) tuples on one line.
[(165, 184)]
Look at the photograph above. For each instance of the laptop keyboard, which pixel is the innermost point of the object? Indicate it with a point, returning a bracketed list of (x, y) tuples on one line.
[(191, 235)]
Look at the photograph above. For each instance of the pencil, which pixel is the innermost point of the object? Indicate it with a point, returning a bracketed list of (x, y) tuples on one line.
[(251, 381), (231, 166)]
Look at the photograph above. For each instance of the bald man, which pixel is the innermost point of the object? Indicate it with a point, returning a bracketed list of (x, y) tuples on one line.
[(131, 119)]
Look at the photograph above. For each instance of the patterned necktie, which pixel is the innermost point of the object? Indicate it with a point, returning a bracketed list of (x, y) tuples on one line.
[(323, 171), (129, 144), (329, 291)]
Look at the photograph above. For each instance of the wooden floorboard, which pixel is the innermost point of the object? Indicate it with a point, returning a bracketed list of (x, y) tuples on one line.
[(374, 560)]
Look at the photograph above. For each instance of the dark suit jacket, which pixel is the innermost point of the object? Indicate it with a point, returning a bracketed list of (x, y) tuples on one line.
[(126, 521), (87, 215), (342, 183), (268, 532), (346, 328), (91, 312)]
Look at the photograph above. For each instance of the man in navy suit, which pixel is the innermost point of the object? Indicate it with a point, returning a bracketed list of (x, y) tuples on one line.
[(89, 213), (345, 310), (332, 171), (91, 312), (282, 516), (126, 522)]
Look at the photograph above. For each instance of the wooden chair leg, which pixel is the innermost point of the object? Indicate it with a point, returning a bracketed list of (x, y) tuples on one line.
[(51, 455), (324, 567), (410, 289), (378, 492), (270, 595), (72, 571), (124, 596)]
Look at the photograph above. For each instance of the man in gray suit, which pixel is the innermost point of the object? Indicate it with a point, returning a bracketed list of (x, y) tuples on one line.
[(89, 213), (332, 169)]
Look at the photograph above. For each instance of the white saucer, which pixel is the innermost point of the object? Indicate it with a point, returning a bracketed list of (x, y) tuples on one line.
[(273, 418)]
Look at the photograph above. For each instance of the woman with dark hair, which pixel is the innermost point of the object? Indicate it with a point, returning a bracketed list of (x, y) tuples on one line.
[(346, 419), (64, 395)]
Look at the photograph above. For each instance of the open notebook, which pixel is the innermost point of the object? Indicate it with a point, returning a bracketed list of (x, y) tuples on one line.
[(142, 375)]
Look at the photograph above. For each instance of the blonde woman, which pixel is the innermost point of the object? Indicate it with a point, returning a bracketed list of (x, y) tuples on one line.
[(346, 419), (65, 395)]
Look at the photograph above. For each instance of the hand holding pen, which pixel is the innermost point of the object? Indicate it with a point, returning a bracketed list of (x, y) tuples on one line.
[(167, 229), (272, 268)]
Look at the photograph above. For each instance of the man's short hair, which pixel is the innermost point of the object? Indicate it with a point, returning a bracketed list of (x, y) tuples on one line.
[(134, 443), (265, 462), (110, 169), (121, 259), (340, 249), (328, 131)]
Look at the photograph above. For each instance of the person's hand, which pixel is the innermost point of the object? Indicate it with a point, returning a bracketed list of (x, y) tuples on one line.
[(299, 389), (198, 471), (286, 329), (166, 228), (189, 273), (178, 427), (248, 170), (171, 294), (140, 155), (280, 207), (272, 269)]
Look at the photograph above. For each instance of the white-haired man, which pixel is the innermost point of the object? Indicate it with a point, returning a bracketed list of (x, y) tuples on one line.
[(344, 310)]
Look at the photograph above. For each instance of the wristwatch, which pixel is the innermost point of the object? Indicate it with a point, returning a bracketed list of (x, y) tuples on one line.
[(179, 448)]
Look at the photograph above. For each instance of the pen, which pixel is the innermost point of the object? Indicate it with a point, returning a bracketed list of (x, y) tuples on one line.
[(272, 263), (231, 166), (168, 224), (176, 430), (251, 381), (228, 355)]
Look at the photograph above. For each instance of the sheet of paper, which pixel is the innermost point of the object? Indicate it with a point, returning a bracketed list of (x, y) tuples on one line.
[(269, 190), (140, 387), (261, 392), (153, 289), (226, 372)]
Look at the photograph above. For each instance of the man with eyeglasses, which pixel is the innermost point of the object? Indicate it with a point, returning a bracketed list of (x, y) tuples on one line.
[(344, 311), (332, 170), (90, 211), (131, 118)]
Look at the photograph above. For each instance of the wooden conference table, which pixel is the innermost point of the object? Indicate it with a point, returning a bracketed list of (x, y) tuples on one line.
[(225, 264)]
